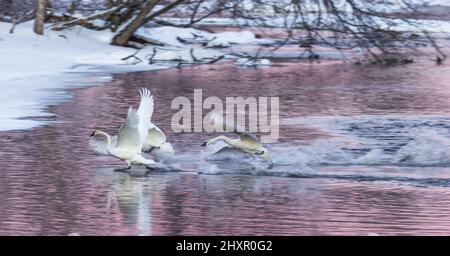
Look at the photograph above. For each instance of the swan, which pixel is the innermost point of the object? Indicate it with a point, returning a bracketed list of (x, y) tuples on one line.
[(132, 135), (157, 145), (246, 142)]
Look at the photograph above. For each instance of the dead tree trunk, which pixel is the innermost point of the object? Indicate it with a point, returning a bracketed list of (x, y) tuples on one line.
[(123, 35), (41, 12)]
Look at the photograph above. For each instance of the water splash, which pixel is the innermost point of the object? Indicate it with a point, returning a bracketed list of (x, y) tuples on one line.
[(377, 140)]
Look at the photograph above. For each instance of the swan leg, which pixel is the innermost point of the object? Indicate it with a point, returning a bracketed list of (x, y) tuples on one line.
[(123, 169), (154, 166)]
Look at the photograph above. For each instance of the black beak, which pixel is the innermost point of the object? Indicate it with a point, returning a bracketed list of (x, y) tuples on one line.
[(204, 144), (259, 153), (92, 134)]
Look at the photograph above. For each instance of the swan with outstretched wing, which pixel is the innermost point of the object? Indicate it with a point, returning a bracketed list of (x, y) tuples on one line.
[(246, 142), (132, 135)]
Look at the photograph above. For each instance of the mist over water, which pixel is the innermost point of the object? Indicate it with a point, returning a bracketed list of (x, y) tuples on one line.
[(361, 150)]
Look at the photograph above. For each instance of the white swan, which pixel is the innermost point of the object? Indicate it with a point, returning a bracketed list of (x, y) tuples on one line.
[(132, 135), (246, 142), (157, 144)]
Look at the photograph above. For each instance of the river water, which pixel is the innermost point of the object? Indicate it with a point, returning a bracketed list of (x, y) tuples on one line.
[(362, 149)]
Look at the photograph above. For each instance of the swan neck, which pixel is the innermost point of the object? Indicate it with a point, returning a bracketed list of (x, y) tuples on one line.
[(226, 140), (108, 137)]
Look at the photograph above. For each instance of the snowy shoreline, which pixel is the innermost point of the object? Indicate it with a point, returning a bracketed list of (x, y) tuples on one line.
[(35, 70)]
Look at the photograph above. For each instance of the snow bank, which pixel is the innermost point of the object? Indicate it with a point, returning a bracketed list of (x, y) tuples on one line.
[(36, 71), (31, 68), (157, 54), (25, 53), (169, 35), (225, 39), (181, 36), (29, 97)]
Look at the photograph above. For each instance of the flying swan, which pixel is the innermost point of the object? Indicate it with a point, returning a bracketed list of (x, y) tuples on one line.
[(246, 142), (132, 135)]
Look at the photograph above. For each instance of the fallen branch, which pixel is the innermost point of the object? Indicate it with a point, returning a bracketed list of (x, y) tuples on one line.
[(145, 40), (133, 56), (192, 55), (150, 61), (199, 62), (215, 60)]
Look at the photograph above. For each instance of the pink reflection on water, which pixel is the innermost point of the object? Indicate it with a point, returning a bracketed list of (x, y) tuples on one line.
[(51, 183)]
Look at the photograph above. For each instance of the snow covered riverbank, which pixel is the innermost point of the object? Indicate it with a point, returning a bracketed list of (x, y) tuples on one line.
[(33, 69)]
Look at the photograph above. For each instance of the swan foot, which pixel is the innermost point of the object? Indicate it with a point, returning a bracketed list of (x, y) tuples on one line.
[(155, 166), (123, 169)]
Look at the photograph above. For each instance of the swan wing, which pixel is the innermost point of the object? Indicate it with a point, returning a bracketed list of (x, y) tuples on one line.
[(245, 137), (248, 139), (155, 137), (145, 112), (100, 146), (164, 152), (220, 124), (129, 131)]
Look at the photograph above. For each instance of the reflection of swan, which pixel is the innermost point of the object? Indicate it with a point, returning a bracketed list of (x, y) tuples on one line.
[(130, 200), (246, 142), (144, 216), (157, 144), (133, 133)]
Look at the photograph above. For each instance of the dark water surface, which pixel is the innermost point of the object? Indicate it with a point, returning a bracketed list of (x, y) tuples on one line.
[(362, 150)]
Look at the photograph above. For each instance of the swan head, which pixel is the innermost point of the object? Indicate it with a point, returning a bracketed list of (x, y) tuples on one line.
[(96, 132), (210, 141), (263, 153)]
